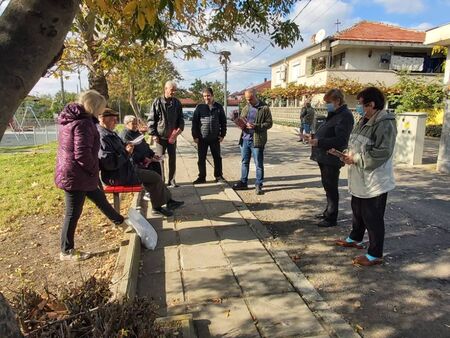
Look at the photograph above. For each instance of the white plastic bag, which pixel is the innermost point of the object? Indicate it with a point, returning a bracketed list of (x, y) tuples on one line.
[(143, 228)]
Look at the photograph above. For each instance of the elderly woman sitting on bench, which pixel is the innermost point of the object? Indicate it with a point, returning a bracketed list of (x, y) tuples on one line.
[(117, 167), (142, 155)]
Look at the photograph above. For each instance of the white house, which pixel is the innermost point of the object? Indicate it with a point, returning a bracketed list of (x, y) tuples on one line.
[(368, 52)]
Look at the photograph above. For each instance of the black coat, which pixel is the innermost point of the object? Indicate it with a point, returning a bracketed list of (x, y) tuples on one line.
[(333, 133), (209, 124), (165, 116), (141, 150), (116, 165)]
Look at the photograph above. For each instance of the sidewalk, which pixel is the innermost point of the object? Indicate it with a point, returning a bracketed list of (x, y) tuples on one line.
[(212, 261)]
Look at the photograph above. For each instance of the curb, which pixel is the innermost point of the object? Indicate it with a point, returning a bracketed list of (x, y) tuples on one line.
[(185, 321), (125, 276), (333, 323)]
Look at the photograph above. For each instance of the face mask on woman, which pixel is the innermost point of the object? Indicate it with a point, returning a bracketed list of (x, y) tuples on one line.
[(360, 110), (330, 107)]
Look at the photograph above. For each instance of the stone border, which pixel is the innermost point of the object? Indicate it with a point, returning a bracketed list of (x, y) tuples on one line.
[(125, 277), (187, 324)]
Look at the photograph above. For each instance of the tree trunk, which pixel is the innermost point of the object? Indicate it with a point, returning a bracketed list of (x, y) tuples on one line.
[(32, 33), (133, 103), (98, 82), (9, 328)]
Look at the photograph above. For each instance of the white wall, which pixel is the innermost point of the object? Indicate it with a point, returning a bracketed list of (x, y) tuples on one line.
[(358, 58)]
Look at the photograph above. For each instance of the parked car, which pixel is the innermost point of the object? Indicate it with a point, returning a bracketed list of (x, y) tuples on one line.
[(188, 115)]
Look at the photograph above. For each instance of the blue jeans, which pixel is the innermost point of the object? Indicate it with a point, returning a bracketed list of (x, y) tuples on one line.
[(247, 150)]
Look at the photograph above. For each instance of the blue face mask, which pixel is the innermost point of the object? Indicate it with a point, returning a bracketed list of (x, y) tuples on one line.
[(330, 107), (360, 110)]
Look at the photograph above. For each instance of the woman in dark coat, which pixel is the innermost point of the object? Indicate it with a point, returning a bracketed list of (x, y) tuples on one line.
[(333, 133), (77, 167)]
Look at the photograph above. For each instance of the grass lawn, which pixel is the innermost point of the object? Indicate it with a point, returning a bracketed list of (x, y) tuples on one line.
[(26, 183)]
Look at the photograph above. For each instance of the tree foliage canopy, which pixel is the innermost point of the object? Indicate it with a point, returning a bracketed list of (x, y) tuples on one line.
[(191, 26)]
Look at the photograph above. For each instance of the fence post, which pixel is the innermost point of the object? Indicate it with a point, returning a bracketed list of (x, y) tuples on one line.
[(46, 134), (34, 135)]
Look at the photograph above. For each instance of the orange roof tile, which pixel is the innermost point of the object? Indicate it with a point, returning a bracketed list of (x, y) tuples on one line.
[(377, 31)]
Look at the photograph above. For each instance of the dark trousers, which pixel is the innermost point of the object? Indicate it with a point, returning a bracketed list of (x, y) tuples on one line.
[(74, 207), (368, 213), (202, 150), (153, 183), (330, 182), (161, 148)]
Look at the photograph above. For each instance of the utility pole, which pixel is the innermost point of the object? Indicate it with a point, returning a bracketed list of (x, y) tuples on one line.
[(63, 96), (224, 59)]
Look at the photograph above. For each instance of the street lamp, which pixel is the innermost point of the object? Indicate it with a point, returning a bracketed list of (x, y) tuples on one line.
[(224, 58)]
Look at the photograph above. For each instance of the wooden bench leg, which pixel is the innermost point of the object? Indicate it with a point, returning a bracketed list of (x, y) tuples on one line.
[(117, 201)]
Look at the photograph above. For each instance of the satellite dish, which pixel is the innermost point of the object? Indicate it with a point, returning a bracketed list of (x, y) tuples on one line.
[(320, 35)]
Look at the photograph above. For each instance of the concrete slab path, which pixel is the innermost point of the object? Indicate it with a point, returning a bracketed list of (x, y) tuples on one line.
[(210, 262)]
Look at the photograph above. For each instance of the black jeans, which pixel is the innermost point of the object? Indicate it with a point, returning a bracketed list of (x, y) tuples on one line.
[(330, 182), (368, 213), (161, 148), (74, 207), (202, 150), (153, 183)]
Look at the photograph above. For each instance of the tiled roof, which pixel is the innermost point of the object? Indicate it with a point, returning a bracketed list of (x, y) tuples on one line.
[(260, 87), (377, 31), (188, 102)]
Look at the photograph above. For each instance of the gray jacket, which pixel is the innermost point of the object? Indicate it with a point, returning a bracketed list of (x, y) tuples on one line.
[(372, 145), (165, 116)]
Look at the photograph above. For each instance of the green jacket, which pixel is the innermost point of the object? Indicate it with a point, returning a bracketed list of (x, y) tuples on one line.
[(372, 145), (263, 122)]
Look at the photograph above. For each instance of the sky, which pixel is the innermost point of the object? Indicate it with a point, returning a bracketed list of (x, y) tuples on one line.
[(250, 61)]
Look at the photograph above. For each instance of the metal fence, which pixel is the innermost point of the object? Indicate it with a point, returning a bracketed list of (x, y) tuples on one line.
[(30, 135)]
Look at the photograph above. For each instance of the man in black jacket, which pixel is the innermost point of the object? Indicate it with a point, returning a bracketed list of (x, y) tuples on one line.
[(166, 119), (333, 133), (209, 127), (117, 167)]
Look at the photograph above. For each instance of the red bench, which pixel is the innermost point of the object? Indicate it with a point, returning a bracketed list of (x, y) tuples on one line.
[(117, 189)]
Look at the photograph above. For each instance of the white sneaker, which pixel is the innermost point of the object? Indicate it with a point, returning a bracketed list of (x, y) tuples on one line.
[(74, 255), (146, 197)]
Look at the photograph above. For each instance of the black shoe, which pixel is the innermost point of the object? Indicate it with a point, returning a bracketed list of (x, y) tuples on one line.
[(199, 181), (172, 204), (220, 179), (240, 186), (320, 216), (326, 224), (258, 190), (162, 211)]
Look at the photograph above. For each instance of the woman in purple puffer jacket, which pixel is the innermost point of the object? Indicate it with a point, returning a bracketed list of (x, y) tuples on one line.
[(77, 167)]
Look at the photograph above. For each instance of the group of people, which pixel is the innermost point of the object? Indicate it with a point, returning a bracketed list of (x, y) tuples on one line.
[(89, 150), (88, 145), (367, 148)]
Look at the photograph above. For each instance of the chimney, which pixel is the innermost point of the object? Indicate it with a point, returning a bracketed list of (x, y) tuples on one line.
[(265, 79)]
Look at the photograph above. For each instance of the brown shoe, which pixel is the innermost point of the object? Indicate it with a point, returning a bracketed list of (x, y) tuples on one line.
[(364, 261), (344, 243)]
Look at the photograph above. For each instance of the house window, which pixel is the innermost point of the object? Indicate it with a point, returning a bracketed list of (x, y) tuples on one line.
[(338, 60), (296, 70)]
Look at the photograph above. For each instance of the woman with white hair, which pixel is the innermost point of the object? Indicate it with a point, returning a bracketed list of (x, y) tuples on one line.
[(143, 156), (77, 167)]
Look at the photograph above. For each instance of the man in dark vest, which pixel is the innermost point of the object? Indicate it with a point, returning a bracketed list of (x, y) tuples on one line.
[(209, 127)]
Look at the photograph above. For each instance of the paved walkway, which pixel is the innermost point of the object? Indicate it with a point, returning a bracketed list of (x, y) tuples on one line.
[(211, 263)]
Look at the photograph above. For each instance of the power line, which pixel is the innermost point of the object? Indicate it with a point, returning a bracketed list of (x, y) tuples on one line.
[(262, 51)]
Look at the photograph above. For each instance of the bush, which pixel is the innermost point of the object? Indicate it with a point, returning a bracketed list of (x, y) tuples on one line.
[(433, 130)]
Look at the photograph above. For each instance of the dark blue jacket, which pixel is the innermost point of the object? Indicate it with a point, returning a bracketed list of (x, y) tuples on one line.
[(116, 165), (209, 124)]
